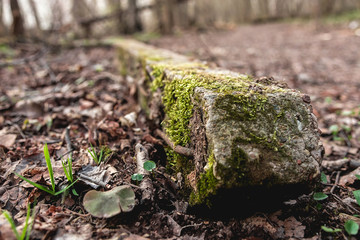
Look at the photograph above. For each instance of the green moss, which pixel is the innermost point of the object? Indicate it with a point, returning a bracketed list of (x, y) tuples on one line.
[(177, 93), (206, 186), (236, 173)]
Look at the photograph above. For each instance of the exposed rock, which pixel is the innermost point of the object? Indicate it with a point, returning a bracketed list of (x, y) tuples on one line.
[(246, 133)]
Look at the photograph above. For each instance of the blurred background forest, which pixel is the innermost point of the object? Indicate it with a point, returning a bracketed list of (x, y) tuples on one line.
[(72, 19)]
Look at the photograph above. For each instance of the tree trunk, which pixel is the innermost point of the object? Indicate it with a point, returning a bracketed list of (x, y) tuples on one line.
[(115, 7), (36, 15), (165, 15), (133, 23), (18, 23), (3, 29)]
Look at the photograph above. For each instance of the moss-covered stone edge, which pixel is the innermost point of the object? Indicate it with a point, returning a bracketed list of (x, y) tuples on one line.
[(177, 82)]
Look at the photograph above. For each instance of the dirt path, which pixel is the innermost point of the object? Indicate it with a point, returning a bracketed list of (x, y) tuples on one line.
[(45, 90)]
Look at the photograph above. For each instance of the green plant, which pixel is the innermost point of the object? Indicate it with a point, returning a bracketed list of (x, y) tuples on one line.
[(318, 196), (69, 173), (148, 166), (323, 178), (330, 230), (51, 174), (94, 155), (25, 234), (351, 227), (335, 129), (328, 100), (137, 177)]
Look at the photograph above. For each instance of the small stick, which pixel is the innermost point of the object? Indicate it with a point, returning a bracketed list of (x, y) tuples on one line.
[(146, 185), (351, 208), (336, 181), (20, 131), (178, 149)]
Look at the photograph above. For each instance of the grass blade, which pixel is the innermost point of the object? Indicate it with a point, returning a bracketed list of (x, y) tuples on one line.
[(41, 187), (12, 224), (49, 166), (70, 169), (65, 189), (31, 223), (93, 154), (101, 155), (66, 171), (74, 192), (25, 229)]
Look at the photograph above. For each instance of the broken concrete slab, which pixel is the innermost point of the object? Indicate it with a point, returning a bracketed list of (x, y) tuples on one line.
[(244, 133)]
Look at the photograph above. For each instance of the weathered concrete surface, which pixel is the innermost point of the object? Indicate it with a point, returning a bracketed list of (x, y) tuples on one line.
[(245, 133)]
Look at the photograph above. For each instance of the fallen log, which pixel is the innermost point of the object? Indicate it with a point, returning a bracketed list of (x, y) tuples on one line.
[(252, 136)]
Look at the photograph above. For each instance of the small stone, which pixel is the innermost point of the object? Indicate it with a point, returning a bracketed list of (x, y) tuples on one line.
[(306, 98)]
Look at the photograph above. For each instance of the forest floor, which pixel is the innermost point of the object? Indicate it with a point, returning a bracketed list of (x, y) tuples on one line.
[(45, 91)]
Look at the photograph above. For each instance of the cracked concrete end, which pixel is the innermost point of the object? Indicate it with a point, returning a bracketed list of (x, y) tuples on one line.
[(257, 135)]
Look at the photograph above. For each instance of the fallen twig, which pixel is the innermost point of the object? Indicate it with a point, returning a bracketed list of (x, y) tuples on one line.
[(354, 163), (351, 208), (335, 165), (146, 185), (20, 131), (178, 149), (336, 181)]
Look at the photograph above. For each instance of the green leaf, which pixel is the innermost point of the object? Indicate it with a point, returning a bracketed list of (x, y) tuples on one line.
[(74, 192), (323, 178), (357, 196), (357, 176), (41, 187), (334, 129), (318, 196), (12, 223), (351, 227), (149, 165), (49, 166), (330, 230), (110, 203), (338, 138), (137, 177)]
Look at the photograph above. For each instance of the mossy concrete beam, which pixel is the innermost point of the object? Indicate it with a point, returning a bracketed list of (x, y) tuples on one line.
[(245, 133)]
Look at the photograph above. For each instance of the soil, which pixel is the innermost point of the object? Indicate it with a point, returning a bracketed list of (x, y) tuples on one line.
[(46, 90)]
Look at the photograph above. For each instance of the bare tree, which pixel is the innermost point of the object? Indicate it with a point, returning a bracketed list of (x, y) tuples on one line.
[(18, 23), (3, 29), (115, 6), (35, 14), (132, 20), (164, 11)]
